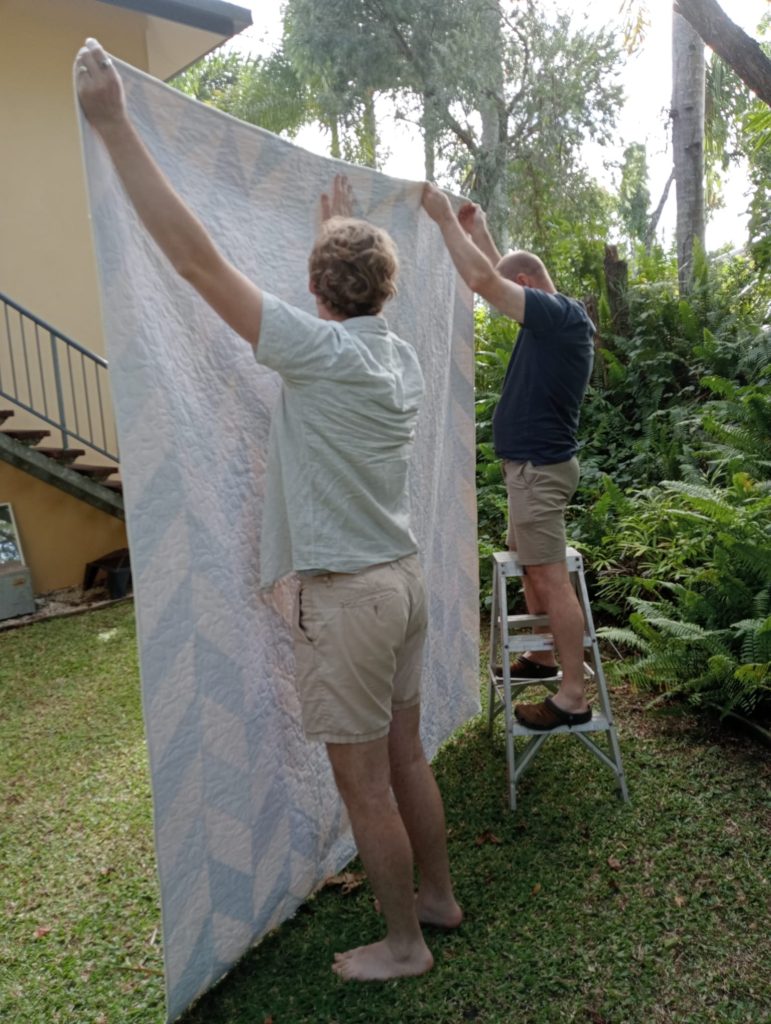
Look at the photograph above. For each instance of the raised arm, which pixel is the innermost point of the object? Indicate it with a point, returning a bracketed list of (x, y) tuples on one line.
[(473, 265), (173, 226), (473, 220)]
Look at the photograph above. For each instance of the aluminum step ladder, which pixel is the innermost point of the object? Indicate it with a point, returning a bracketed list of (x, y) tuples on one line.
[(514, 634)]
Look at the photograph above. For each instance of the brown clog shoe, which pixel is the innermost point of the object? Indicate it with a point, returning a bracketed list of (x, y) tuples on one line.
[(547, 715)]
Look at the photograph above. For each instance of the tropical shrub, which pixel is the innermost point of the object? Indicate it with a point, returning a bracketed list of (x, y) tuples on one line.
[(699, 590)]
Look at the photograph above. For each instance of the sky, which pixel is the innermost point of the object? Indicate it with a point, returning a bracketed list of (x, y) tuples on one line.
[(647, 82)]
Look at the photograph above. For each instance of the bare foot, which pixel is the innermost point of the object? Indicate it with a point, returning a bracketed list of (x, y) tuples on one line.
[(377, 962), (445, 915)]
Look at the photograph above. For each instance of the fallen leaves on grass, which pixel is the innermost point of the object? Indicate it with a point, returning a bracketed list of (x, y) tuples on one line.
[(346, 880), (488, 837)]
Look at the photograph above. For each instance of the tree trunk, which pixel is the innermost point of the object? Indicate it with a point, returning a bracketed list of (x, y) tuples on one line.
[(490, 163), (688, 76), (600, 369), (334, 147), (428, 126), (740, 51), (616, 279), (369, 130)]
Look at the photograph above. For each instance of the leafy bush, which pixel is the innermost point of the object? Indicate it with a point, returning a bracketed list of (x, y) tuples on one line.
[(698, 579)]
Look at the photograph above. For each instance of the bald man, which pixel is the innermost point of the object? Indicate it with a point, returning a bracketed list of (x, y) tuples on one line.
[(535, 434)]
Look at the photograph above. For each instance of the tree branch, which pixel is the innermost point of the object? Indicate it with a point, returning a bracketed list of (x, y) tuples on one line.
[(656, 215), (730, 42)]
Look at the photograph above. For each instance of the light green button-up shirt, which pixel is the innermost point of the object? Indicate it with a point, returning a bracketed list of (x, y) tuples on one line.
[(340, 441)]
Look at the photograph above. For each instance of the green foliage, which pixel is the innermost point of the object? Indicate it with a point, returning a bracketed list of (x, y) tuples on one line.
[(495, 337), (265, 92), (693, 561), (634, 197), (738, 128)]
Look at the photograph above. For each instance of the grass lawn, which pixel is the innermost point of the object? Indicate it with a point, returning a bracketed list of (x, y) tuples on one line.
[(578, 908)]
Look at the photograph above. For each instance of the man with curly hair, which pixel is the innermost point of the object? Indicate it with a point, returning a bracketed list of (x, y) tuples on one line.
[(337, 512)]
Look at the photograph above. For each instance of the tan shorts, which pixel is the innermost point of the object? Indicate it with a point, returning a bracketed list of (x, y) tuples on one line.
[(359, 649), (538, 497)]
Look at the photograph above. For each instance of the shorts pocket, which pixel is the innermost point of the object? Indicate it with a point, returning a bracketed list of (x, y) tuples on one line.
[(309, 619)]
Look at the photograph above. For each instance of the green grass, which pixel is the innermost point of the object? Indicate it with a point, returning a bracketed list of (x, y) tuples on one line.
[(578, 908)]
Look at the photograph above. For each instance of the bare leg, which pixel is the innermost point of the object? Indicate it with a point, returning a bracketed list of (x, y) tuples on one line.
[(362, 773), (556, 595), (536, 607), (420, 806)]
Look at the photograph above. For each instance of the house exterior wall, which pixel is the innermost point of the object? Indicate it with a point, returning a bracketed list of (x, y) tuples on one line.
[(46, 256), (59, 534), (47, 262)]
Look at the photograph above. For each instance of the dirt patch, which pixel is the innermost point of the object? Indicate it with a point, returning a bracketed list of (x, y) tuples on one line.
[(58, 603)]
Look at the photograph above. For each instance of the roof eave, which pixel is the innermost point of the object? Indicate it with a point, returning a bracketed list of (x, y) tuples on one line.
[(215, 16)]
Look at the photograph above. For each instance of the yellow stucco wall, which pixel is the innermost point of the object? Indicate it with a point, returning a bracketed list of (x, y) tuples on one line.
[(46, 258), (47, 520), (47, 261), (46, 255)]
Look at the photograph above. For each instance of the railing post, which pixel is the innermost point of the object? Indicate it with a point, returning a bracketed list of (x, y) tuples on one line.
[(58, 385)]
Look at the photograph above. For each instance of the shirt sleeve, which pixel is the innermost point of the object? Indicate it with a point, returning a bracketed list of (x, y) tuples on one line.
[(546, 312), (297, 345)]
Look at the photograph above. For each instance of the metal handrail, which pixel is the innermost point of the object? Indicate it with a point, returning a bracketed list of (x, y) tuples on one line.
[(59, 381)]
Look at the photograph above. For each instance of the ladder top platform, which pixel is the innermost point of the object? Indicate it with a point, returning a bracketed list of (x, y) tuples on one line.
[(509, 564)]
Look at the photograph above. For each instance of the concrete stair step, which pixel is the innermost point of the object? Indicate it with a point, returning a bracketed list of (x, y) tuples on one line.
[(30, 437), (63, 455), (96, 473)]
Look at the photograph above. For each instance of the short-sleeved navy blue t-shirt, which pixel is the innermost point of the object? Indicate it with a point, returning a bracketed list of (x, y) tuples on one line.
[(536, 419)]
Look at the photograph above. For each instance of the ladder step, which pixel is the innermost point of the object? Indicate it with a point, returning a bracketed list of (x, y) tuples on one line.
[(520, 621), (497, 675), (598, 723), (538, 642), (507, 564)]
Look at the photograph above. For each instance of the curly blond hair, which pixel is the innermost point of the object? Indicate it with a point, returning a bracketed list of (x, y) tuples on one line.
[(353, 267)]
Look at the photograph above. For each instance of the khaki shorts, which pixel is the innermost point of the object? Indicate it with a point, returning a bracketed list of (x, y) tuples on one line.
[(538, 497), (359, 649)]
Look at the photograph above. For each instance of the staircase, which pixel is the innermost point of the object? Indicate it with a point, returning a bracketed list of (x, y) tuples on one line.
[(64, 386)]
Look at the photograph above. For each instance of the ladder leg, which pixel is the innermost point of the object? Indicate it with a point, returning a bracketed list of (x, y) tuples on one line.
[(599, 678), (492, 690), (503, 619)]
